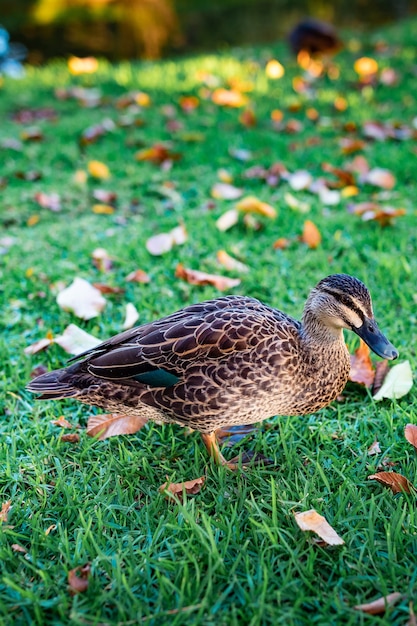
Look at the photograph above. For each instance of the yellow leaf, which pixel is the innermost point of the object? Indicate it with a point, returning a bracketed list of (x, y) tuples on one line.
[(97, 169), (274, 69), (102, 209)]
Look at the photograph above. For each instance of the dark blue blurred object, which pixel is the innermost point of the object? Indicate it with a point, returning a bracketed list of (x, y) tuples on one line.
[(315, 37), (11, 55)]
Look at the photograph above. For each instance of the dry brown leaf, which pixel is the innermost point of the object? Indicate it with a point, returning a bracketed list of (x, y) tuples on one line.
[(361, 368), (374, 448), (38, 346), (4, 513), (157, 154), (410, 433), (311, 235), (112, 424), (138, 276), (105, 289), (379, 606), (82, 299), (349, 145), (196, 277), (311, 520), (251, 204), (396, 482), (231, 263), (191, 487), (381, 370), (70, 438), (371, 211), (62, 422), (16, 548), (78, 578)]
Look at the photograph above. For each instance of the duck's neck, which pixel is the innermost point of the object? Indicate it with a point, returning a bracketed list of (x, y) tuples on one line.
[(316, 333)]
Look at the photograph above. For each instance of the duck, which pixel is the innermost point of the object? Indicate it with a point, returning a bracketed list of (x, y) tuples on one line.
[(228, 361)]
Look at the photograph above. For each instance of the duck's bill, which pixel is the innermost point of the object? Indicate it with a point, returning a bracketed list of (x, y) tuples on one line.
[(378, 343)]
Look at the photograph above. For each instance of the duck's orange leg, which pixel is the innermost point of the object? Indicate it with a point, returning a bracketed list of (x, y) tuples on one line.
[(213, 449)]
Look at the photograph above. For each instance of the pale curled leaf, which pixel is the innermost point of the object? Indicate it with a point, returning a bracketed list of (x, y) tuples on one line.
[(374, 448), (107, 425), (17, 548), (311, 520), (396, 482), (380, 605), (62, 422), (227, 220), (397, 383), (251, 204), (38, 346), (75, 340), (230, 263), (410, 433), (191, 487), (82, 299), (131, 316), (226, 191)]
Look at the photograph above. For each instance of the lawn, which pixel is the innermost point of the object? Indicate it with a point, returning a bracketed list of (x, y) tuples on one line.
[(232, 554)]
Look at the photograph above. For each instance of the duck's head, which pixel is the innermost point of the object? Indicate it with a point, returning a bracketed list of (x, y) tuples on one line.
[(342, 301)]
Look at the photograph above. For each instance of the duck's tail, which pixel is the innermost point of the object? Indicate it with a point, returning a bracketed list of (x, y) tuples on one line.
[(54, 385)]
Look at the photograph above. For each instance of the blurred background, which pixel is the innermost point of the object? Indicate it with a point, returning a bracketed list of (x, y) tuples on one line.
[(119, 29)]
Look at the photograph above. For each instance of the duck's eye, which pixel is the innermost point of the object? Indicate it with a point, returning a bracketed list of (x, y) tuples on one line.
[(371, 328), (345, 300)]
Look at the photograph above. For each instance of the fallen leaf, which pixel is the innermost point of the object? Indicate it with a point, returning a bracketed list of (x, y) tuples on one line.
[(274, 69), (311, 520), (78, 579), (82, 299), (102, 260), (379, 606), (108, 289), (396, 482), (196, 277), (190, 487), (295, 204), (251, 204), (16, 548), (159, 244), (189, 103), (97, 169), (38, 346), (365, 66), (70, 438), (106, 425), (371, 211), (5, 509), (381, 370), (281, 244), (227, 220), (361, 368), (349, 145), (103, 209), (300, 180), (231, 263), (380, 177), (397, 383), (104, 196), (51, 201), (157, 154), (85, 65), (75, 340), (62, 422), (138, 276), (32, 133), (179, 235), (311, 235), (374, 448), (229, 98), (226, 191), (410, 433), (50, 528), (248, 118), (131, 316)]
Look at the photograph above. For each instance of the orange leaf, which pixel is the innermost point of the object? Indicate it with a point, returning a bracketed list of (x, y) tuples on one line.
[(251, 204), (349, 145), (107, 425), (78, 579), (311, 235), (311, 520), (380, 605), (396, 482), (410, 433), (196, 277), (229, 98), (365, 66), (248, 118), (97, 169), (157, 154), (191, 487), (281, 244), (62, 422), (380, 177), (361, 368), (231, 263), (70, 438), (138, 276)]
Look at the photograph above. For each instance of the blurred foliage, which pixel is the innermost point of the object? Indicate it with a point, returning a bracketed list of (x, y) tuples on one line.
[(149, 28)]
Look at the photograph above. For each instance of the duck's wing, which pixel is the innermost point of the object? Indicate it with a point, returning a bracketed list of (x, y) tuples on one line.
[(158, 353)]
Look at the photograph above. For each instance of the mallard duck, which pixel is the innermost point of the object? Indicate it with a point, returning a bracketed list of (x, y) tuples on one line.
[(228, 361)]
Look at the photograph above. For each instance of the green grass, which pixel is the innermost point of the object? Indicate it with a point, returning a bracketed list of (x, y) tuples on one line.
[(232, 554)]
